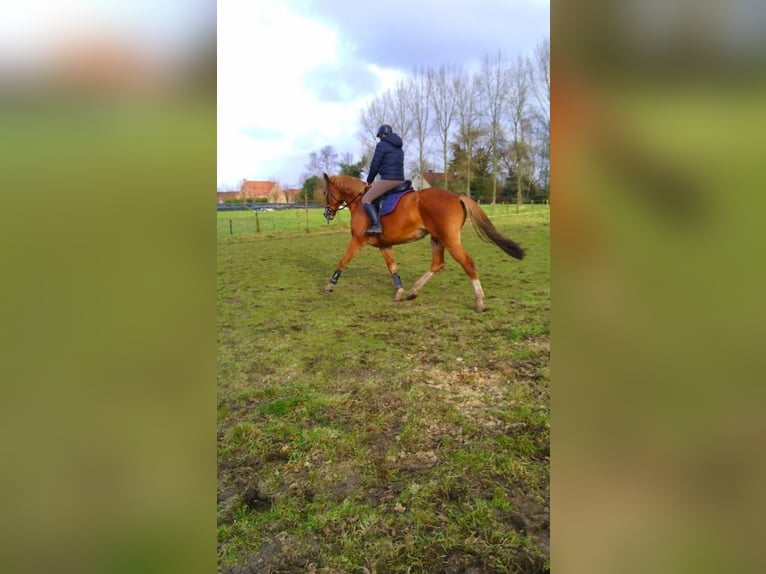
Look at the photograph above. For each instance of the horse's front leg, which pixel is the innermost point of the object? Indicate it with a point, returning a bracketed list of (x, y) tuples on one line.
[(353, 247), (388, 255)]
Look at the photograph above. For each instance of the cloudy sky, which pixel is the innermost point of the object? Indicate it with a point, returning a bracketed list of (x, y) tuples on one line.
[(294, 74), (33, 30)]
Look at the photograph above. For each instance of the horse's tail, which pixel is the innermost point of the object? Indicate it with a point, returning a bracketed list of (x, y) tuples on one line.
[(487, 231)]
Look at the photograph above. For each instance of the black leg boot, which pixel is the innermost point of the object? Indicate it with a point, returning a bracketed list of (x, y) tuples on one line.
[(372, 213)]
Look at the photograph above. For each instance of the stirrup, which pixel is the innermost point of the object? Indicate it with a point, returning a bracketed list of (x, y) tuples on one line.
[(374, 230)]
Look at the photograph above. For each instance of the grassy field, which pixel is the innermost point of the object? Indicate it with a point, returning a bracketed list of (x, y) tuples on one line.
[(279, 222), (290, 221), (356, 434)]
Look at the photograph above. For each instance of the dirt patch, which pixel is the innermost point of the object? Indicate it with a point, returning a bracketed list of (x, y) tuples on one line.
[(283, 553), (384, 493), (238, 485), (458, 562), (345, 487), (255, 500), (533, 519)]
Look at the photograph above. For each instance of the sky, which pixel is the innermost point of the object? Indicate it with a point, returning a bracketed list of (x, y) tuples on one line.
[(33, 30), (293, 75)]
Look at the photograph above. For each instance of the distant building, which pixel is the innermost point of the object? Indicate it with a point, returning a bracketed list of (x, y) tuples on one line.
[(253, 190), (292, 194), (227, 195), (431, 178)]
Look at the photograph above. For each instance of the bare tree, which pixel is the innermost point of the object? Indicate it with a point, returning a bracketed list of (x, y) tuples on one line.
[(469, 119), (444, 82), (455, 108), (397, 105), (325, 160), (393, 108), (370, 118), (541, 73), (420, 86), (494, 80), (520, 122), (328, 159), (314, 166)]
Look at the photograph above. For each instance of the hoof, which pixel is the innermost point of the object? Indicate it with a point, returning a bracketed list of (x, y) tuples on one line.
[(399, 295), (411, 296), (479, 308), (328, 289)]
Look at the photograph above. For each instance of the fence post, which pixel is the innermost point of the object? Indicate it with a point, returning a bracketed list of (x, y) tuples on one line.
[(231, 231), (257, 223)]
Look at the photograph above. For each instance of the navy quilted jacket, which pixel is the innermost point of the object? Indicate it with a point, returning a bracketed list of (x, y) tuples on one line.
[(388, 160)]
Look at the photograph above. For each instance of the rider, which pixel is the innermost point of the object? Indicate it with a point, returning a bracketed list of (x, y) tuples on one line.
[(388, 162)]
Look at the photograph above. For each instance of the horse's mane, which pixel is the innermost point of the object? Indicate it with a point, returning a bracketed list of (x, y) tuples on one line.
[(347, 181)]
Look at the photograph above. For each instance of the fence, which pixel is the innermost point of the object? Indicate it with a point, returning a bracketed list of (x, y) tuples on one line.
[(273, 220), (265, 220), (263, 206)]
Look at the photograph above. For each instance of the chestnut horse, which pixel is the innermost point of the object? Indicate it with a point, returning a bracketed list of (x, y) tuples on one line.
[(431, 211)]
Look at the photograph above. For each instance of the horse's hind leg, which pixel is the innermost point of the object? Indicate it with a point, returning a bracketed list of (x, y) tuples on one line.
[(460, 255), (388, 255), (437, 264)]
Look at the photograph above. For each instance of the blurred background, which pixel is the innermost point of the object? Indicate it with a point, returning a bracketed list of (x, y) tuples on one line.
[(658, 116), (108, 154), (107, 146)]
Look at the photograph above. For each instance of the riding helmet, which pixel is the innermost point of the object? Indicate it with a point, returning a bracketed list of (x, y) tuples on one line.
[(384, 130)]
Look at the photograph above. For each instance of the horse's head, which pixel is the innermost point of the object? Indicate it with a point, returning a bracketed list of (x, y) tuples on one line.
[(333, 200), (337, 195)]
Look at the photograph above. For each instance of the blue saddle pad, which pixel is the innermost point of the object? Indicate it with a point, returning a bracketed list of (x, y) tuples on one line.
[(388, 202)]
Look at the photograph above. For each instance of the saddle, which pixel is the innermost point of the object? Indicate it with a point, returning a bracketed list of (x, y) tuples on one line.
[(386, 203)]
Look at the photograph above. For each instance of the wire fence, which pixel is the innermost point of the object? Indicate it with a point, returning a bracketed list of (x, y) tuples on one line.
[(267, 221)]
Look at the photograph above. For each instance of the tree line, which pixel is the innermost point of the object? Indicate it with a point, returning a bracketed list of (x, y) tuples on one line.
[(487, 131)]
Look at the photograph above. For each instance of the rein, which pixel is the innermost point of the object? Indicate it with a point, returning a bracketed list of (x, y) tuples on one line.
[(345, 203)]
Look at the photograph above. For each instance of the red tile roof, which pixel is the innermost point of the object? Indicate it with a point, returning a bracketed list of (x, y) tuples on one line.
[(224, 195), (256, 188)]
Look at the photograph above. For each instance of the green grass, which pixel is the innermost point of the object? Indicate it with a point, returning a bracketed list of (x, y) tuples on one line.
[(356, 432), (246, 224)]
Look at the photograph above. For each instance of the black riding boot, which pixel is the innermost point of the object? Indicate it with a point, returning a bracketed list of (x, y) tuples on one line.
[(372, 213)]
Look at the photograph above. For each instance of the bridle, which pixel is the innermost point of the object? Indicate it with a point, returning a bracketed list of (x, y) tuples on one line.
[(343, 204)]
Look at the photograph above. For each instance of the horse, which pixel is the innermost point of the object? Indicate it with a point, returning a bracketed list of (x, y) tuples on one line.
[(431, 211)]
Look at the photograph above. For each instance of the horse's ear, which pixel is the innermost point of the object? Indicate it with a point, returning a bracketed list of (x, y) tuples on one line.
[(327, 178)]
